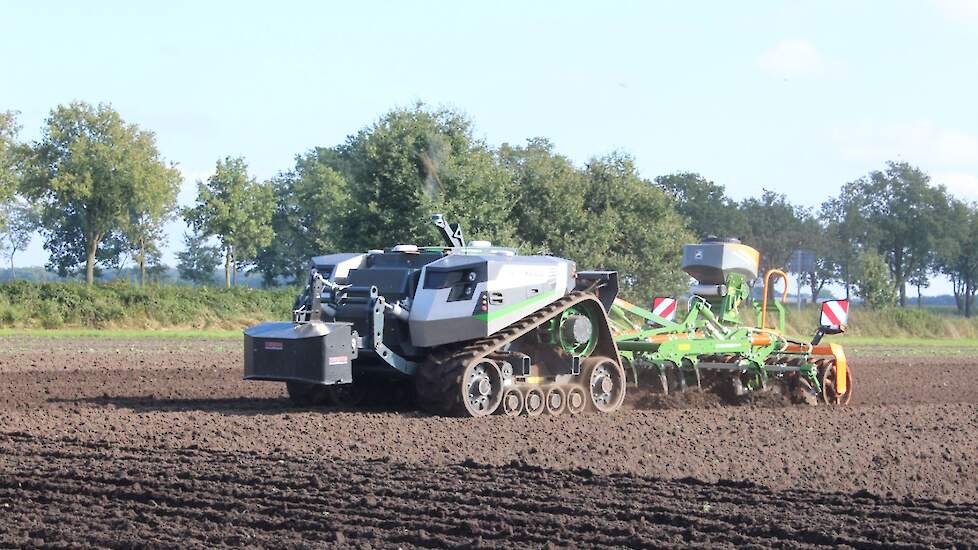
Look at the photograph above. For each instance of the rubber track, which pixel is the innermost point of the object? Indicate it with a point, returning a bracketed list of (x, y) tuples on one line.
[(439, 376)]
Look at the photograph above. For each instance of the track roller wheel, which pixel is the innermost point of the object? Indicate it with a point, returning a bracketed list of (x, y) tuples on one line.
[(304, 394), (556, 400), (481, 388), (512, 403), (605, 380), (534, 402), (576, 400), (827, 378)]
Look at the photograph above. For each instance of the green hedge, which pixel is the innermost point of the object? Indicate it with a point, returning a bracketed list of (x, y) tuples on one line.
[(894, 322), (120, 304)]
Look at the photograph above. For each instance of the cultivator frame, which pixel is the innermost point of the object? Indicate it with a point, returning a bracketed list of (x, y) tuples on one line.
[(710, 348)]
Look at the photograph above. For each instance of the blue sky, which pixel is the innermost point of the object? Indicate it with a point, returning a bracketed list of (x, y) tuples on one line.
[(798, 97)]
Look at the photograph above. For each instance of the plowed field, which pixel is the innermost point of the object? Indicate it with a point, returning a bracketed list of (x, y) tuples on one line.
[(157, 442)]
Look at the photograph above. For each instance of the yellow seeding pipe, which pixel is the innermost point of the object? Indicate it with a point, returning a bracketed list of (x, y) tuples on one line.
[(784, 294)]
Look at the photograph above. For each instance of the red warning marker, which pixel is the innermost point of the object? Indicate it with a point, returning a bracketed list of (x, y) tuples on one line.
[(664, 307), (835, 313)]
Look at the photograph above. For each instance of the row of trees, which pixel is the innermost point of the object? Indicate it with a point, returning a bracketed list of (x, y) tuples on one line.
[(95, 186), (99, 192), (380, 187)]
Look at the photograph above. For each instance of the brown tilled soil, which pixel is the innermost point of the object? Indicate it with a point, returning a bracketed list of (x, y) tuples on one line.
[(94, 494), (157, 441)]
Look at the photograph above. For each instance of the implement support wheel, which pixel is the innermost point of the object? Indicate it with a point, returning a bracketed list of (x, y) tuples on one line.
[(827, 378)]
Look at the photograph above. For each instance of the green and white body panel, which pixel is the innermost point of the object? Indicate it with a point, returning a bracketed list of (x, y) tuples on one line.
[(464, 297)]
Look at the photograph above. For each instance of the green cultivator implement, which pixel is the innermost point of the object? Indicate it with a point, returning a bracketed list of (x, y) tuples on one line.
[(710, 348)]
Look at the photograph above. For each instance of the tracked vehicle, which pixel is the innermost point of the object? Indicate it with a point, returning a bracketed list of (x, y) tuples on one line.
[(466, 329), (711, 348)]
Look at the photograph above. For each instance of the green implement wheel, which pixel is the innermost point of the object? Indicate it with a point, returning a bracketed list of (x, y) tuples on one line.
[(576, 331)]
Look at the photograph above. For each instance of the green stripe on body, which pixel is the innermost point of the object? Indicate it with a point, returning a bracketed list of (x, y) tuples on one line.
[(506, 310)]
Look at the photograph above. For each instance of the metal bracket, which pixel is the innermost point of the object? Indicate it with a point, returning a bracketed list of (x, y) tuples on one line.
[(519, 361), (379, 305)]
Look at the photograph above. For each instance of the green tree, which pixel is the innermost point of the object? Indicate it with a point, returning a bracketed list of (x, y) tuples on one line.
[(198, 260), (550, 206), (88, 173), (905, 213), (873, 282), (957, 253), (143, 234), (236, 209), (705, 205), (846, 233), (414, 162), (817, 238), (643, 233), (143, 231), (19, 224), (9, 154), (604, 216), (920, 279), (311, 203), (139, 241), (775, 227)]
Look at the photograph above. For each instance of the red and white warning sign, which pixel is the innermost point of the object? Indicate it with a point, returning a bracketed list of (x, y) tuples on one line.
[(664, 307), (835, 313)]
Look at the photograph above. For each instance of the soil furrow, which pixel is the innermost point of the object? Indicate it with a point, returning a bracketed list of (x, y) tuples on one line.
[(180, 495)]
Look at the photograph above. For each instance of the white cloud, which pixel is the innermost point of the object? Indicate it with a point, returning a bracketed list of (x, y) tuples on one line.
[(959, 9), (922, 143), (960, 184), (793, 59)]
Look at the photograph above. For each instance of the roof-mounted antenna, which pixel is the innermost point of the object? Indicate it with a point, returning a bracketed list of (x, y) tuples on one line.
[(452, 233)]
